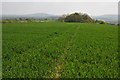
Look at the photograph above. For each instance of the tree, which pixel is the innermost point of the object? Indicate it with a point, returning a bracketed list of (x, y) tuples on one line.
[(73, 18), (62, 18), (100, 22), (77, 17), (87, 18)]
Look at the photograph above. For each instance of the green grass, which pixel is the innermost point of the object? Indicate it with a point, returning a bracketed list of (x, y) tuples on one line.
[(60, 50)]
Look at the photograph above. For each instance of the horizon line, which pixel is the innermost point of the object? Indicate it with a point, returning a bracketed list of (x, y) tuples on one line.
[(57, 14)]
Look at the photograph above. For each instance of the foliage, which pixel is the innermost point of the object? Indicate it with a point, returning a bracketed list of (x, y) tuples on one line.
[(77, 17), (100, 22)]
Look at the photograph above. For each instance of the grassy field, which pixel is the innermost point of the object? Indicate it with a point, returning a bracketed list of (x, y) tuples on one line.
[(60, 50)]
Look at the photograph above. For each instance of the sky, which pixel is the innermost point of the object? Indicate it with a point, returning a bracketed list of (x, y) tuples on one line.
[(60, 8), (59, 0)]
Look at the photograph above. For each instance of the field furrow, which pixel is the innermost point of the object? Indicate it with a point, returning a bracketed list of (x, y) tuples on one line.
[(61, 62)]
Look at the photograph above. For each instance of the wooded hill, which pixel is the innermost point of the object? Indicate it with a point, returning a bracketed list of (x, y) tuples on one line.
[(77, 17)]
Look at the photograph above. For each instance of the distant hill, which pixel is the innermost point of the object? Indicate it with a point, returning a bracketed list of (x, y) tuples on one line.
[(41, 15), (110, 18), (36, 15)]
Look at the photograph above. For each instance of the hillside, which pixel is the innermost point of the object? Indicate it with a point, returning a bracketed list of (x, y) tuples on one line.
[(108, 18), (36, 16)]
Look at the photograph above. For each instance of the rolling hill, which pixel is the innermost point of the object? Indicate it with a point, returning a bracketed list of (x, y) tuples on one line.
[(110, 18), (36, 15)]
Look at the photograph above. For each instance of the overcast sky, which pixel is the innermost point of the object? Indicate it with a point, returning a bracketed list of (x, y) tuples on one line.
[(59, 8), (59, 0)]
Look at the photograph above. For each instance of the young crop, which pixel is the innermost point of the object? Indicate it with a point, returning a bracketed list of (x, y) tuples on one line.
[(60, 50)]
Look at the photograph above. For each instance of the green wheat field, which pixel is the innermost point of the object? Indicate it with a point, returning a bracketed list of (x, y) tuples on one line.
[(59, 50)]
